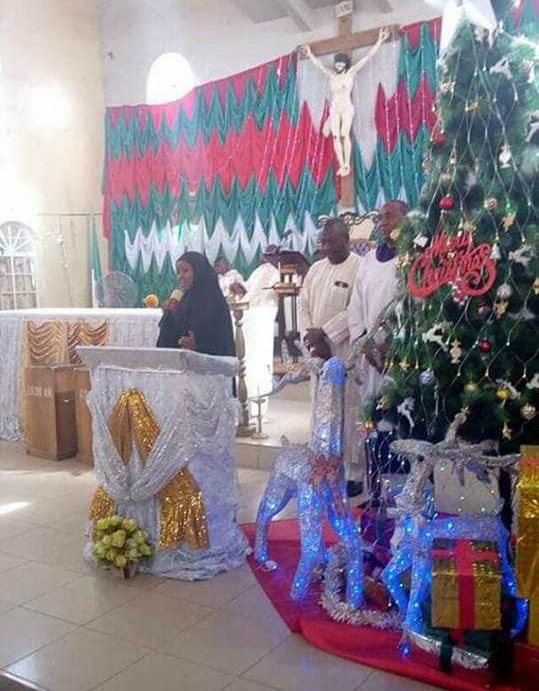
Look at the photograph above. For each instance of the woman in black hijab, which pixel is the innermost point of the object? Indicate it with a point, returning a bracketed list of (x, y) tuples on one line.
[(201, 319)]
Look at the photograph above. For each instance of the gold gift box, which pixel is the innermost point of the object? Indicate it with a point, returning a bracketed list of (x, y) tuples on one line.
[(469, 599), (527, 561)]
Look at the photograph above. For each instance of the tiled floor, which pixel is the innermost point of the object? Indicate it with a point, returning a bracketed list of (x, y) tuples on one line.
[(65, 627)]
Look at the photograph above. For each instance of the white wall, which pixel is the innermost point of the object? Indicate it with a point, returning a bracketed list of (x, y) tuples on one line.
[(214, 35), (51, 123)]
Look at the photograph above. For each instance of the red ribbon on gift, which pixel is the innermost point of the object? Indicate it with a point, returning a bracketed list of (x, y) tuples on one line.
[(465, 556)]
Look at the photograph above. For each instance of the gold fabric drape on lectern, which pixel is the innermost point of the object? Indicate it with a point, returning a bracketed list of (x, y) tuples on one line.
[(182, 510)]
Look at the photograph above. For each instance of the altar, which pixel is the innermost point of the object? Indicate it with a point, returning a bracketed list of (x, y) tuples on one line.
[(50, 336), (164, 423)]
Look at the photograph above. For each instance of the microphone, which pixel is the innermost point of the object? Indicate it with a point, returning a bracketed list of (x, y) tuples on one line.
[(170, 304)]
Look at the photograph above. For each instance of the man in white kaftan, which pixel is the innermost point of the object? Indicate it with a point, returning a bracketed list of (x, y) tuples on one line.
[(226, 275), (323, 316), (259, 324), (375, 289)]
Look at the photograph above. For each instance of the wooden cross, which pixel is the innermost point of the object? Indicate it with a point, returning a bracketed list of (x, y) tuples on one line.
[(345, 42)]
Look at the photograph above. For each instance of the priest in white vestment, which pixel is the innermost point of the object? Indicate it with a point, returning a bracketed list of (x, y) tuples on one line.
[(323, 315), (375, 289), (259, 324)]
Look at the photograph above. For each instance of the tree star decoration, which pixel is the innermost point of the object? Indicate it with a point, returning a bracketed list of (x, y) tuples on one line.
[(477, 12)]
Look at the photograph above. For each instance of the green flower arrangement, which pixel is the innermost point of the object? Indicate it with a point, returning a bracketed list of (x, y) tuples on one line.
[(119, 542)]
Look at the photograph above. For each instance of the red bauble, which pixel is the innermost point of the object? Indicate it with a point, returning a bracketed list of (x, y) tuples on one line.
[(485, 346), (438, 138), (447, 203)]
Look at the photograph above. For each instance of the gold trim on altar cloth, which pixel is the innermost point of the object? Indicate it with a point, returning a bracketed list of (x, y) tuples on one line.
[(182, 510)]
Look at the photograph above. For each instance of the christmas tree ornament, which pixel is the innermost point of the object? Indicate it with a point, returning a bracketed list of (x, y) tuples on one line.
[(435, 335), (506, 390), (496, 254), (454, 12), (504, 291), (500, 307), (455, 352), (505, 156), (534, 382), (508, 220), (502, 67), (447, 203), (491, 203), (471, 387), (466, 226), (446, 179), (471, 106), (426, 378), (447, 86), (503, 393), (405, 409), (438, 137), (536, 286), (452, 260), (533, 127), (421, 241), (528, 411), (483, 308), (522, 256), (485, 346), (506, 431), (383, 403)]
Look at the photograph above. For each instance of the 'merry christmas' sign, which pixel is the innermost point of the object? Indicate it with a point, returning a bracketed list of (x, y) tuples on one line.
[(453, 260)]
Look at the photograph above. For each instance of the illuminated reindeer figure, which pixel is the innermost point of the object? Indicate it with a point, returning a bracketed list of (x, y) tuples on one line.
[(314, 473)]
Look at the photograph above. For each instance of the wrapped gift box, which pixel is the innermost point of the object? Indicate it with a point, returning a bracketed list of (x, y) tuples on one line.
[(527, 561), (466, 585)]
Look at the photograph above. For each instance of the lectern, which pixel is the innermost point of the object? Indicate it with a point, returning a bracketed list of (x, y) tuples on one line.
[(164, 423)]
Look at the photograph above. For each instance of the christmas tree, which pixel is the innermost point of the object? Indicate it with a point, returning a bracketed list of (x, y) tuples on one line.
[(465, 335)]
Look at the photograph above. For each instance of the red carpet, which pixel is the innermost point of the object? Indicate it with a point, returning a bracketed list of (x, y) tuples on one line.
[(368, 646)]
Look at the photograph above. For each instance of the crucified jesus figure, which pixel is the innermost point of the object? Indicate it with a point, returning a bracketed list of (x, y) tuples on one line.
[(341, 108)]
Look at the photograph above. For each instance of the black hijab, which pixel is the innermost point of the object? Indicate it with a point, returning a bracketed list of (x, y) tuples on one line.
[(202, 310)]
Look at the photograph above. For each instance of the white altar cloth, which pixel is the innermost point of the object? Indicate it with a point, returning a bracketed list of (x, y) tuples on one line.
[(127, 327), (191, 397)]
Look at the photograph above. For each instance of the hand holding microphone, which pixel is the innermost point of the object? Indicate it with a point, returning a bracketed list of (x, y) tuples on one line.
[(170, 305)]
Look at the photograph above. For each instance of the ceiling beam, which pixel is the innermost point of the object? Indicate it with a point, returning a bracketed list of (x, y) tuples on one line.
[(300, 12)]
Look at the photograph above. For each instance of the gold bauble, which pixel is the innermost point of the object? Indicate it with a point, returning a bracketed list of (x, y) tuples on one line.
[(503, 393)]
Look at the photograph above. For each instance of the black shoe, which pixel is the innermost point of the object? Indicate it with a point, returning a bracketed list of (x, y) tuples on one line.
[(353, 488)]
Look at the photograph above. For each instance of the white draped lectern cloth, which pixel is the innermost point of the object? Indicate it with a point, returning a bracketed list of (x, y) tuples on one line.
[(190, 396)]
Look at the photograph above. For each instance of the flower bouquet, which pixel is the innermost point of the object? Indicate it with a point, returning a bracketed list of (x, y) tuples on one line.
[(120, 543)]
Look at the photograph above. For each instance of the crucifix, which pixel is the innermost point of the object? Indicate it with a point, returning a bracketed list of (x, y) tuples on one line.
[(341, 112)]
